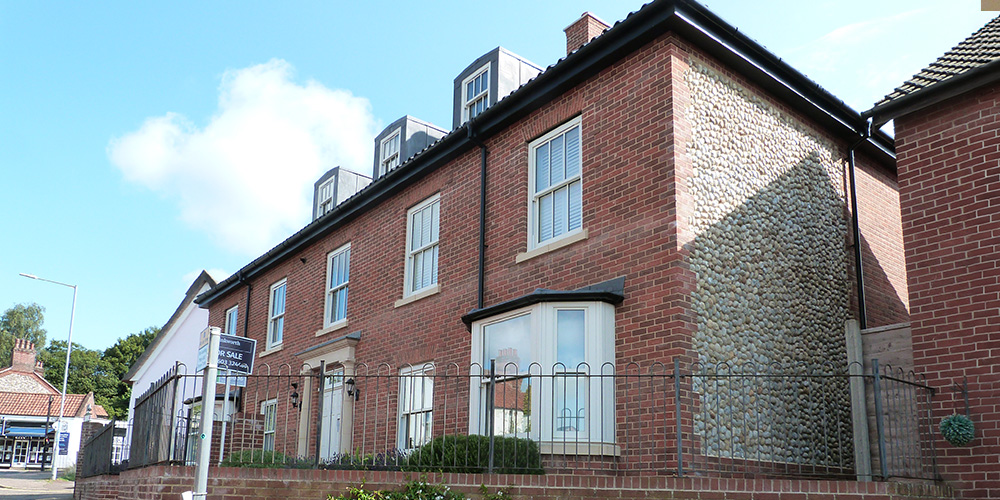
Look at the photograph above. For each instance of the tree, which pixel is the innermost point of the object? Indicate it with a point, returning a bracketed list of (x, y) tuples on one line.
[(100, 372), (21, 322), (87, 371), (119, 359)]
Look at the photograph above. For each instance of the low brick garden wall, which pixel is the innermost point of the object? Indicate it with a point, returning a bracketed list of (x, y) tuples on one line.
[(227, 483)]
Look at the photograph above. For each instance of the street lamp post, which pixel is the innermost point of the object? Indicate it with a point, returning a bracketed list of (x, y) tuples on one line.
[(69, 349)]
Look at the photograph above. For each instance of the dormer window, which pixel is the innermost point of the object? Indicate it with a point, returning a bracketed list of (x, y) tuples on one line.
[(389, 153), (476, 93), (325, 199)]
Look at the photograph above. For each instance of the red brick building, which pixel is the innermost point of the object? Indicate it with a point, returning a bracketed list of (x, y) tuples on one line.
[(668, 190), (946, 120)]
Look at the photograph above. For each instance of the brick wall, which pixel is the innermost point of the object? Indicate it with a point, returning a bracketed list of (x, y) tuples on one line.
[(163, 483), (636, 208), (949, 179)]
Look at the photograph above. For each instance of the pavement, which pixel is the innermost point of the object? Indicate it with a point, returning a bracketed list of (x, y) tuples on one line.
[(33, 485)]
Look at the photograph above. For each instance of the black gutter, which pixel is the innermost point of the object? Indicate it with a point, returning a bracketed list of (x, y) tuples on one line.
[(685, 17), (443, 151), (935, 93), (484, 152), (856, 229)]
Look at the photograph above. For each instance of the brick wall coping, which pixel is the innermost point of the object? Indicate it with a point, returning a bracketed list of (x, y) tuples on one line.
[(230, 483)]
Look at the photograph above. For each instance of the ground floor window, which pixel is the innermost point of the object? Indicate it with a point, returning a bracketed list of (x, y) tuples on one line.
[(416, 399), (553, 364), (269, 409)]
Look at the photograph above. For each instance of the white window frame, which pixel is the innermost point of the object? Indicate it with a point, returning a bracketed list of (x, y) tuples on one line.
[(276, 318), (324, 203), (269, 409), (413, 253), (232, 319), (387, 163), (329, 315), (534, 198), (467, 100), (411, 380), (599, 355)]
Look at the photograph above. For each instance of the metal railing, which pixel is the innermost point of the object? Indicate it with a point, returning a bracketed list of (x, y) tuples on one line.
[(103, 452), (717, 420)]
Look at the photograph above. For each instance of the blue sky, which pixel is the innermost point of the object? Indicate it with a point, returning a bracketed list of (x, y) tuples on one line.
[(141, 142)]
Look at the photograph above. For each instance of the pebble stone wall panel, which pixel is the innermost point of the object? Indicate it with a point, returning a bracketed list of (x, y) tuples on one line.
[(770, 259)]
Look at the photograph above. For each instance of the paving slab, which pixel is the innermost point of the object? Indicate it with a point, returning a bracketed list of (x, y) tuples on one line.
[(33, 485)]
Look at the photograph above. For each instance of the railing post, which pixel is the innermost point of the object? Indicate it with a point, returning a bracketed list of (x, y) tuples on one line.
[(677, 416), (173, 403), (490, 410), (319, 409), (879, 425)]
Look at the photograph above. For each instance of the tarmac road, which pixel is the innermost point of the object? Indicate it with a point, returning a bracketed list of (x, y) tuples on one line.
[(33, 485)]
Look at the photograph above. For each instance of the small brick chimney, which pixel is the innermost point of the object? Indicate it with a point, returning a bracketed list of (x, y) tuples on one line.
[(24, 356), (583, 30)]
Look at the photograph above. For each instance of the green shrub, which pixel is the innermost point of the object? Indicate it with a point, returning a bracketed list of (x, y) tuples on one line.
[(471, 454), (69, 473), (264, 459), (958, 430)]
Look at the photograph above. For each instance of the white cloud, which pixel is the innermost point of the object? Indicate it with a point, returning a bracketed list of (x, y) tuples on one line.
[(246, 178), (851, 60)]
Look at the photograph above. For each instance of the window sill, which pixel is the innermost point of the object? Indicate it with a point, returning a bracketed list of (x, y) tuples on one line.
[(549, 247), (579, 448), (427, 292), (272, 350), (332, 328)]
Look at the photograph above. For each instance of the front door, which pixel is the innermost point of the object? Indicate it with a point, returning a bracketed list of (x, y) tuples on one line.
[(20, 452), (333, 404)]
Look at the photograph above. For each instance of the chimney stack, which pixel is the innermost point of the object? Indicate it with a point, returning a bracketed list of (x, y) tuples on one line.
[(23, 359), (583, 30)]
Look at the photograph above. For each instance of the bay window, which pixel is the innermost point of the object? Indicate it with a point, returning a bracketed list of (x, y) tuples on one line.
[(548, 361)]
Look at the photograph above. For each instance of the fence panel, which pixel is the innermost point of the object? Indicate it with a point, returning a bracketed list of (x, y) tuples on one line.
[(103, 452), (720, 420)]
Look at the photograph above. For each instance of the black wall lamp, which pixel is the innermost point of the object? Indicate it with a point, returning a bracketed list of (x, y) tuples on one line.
[(295, 395), (352, 390)]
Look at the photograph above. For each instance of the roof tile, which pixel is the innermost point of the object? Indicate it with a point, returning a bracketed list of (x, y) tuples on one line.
[(978, 49)]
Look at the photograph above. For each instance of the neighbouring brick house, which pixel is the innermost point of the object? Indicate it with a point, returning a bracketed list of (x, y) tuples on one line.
[(669, 189), (946, 120)]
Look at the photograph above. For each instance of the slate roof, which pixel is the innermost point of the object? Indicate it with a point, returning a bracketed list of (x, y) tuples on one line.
[(37, 405), (980, 48)]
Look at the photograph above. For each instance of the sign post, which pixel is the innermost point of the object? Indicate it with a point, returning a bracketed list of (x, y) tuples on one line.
[(209, 338)]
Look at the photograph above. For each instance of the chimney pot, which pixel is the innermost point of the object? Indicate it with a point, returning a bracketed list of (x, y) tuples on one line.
[(23, 359), (583, 30)]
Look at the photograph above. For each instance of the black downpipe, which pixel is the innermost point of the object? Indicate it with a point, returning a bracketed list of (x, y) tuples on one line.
[(246, 314), (856, 228), (484, 152)]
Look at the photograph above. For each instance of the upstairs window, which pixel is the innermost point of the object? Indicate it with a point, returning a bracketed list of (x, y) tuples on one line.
[(476, 93), (556, 185), (324, 199), (232, 317), (389, 153), (422, 230), (338, 273), (276, 314)]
